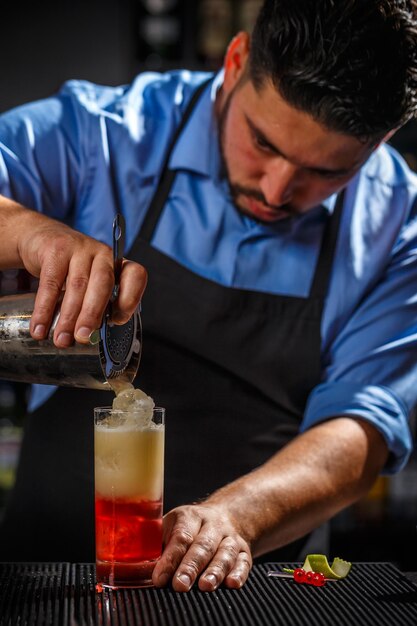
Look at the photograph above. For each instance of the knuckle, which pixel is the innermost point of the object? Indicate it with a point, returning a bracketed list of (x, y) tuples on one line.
[(105, 270), (78, 283), (174, 557), (60, 246), (105, 277), (183, 536), (230, 549), (60, 243), (104, 250), (205, 546), (219, 569), (91, 313), (42, 312), (67, 319), (133, 282), (127, 301), (244, 548), (244, 560), (135, 270), (142, 274), (49, 284), (191, 566)]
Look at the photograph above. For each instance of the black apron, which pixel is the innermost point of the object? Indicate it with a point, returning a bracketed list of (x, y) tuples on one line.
[(233, 368)]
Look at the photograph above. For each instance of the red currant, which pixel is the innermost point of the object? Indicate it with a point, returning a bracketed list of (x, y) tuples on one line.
[(299, 575), (309, 578), (318, 579)]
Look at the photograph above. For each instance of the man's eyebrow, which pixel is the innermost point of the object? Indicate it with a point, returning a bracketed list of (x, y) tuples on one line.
[(319, 170)]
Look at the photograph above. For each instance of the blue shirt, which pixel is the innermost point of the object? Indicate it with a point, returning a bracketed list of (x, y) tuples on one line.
[(60, 156)]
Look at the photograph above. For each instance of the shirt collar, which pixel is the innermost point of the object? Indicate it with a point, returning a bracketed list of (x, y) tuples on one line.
[(329, 203), (197, 148)]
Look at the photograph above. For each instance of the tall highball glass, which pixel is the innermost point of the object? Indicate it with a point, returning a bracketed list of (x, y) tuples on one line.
[(129, 476)]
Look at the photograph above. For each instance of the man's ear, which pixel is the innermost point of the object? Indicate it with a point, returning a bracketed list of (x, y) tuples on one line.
[(235, 60)]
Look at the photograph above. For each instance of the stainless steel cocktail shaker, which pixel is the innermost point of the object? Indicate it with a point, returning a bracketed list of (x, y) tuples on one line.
[(114, 359)]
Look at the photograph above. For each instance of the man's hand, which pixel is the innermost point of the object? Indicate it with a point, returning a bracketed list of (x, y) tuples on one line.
[(202, 542), (64, 258)]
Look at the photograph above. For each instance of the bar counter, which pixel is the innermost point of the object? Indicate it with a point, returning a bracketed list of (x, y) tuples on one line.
[(64, 594)]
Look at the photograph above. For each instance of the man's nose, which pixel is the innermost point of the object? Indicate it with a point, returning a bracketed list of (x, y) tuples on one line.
[(278, 182)]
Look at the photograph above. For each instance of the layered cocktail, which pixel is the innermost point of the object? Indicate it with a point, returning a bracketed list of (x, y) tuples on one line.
[(129, 468)]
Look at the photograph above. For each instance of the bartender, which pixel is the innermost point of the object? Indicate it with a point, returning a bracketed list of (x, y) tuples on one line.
[(279, 235)]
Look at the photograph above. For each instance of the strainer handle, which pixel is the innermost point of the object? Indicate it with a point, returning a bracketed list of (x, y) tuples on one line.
[(119, 229)]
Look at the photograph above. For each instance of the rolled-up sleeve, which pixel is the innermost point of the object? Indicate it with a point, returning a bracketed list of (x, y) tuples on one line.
[(377, 405)]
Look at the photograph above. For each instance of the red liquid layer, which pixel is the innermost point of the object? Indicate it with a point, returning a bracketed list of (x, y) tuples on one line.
[(128, 540)]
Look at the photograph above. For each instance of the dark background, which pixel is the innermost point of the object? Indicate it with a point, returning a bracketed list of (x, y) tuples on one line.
[(109, 41), (43, 44)]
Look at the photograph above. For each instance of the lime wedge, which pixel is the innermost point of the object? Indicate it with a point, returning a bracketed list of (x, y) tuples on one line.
[(319, 563)]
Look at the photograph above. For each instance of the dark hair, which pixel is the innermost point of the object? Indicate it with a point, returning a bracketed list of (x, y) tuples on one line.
[(350, 64)]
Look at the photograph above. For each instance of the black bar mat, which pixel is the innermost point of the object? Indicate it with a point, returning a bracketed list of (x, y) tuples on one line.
[(65, 595), (34, 593)]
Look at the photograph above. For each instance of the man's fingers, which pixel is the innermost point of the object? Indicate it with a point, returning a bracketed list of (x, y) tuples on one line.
[(198, 556), (82, 317), (87, 293), (51, 281), (202, 544), (132, 285), (221, 565), (179, 537), (238, 575), (214, 561), (212, 557)]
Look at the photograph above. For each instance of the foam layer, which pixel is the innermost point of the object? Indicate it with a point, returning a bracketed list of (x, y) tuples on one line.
[(129, 462)]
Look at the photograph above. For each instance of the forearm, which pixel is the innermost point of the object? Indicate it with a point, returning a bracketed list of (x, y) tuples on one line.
[(310, 480), (16, 222)]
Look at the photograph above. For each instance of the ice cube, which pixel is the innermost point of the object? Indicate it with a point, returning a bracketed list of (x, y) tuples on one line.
[(134, 400)]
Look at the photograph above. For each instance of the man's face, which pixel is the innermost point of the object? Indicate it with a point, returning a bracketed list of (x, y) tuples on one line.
[(278, 160)]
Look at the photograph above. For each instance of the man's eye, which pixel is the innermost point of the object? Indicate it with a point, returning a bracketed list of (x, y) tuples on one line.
[(329, 175), (262, 143)]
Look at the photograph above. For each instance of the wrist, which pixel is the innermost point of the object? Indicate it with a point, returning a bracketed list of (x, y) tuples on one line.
[(14, 224), (239, 505)]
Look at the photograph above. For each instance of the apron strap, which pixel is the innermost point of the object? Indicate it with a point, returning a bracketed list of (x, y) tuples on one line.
[(322, 272), (167, 176)]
